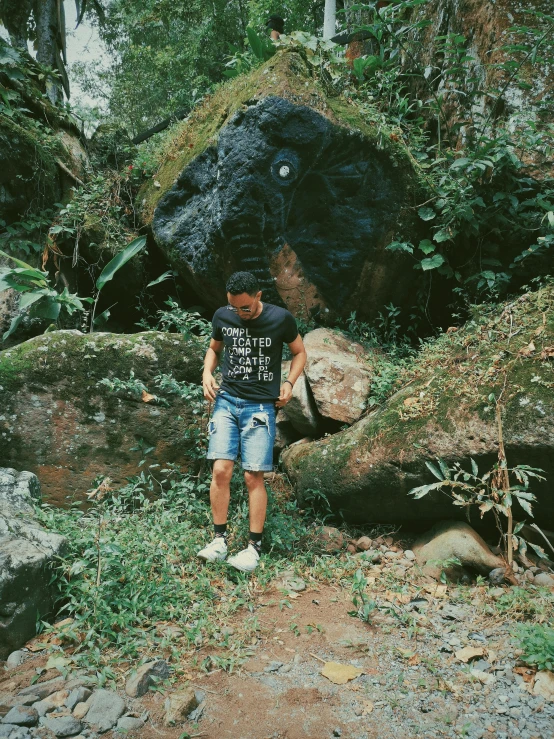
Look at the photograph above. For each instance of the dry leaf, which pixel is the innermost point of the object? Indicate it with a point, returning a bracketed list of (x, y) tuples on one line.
[(438, 591), (340, 674), (368, 707), (547, 352), (468, 653), (527, 673), (544, 685), (410, 401), (147, 397), (413, 660), (527, 350), (484, 677), (36, 646), (406, 653)]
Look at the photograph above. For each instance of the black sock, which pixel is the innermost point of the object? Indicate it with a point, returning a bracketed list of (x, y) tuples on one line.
[(221, 530), (256, 540)]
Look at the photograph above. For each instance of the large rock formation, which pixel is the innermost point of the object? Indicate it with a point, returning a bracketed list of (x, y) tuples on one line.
[(499, 38), (57, 421), (444, 411), (26, 551), (274, 176)]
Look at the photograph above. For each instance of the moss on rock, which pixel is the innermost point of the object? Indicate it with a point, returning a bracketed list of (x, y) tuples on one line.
[(445, 410)]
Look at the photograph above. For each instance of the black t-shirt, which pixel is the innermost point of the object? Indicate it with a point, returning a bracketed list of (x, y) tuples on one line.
[(253, 351)]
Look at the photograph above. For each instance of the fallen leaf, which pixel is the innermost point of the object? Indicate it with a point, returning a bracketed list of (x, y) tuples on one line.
[(340, 674), (484, 677), (414, 660), (406, 653), (527, 673), (491, 656), (410, 401), (58, 662), (65, 622), (292, 594), (547, 352), (527, 350), (368, 707), (36, 646), (438, 591), (468, 653), (147, 397), (544, 685)]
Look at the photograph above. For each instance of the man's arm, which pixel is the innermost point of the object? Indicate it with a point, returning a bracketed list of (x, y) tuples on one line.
[(296, 366), (211, 360)]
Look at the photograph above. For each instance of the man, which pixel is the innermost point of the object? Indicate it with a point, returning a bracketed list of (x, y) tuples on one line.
[(243, 419)]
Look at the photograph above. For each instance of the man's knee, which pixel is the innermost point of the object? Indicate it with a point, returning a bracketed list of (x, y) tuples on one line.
[(222, 471), (253, 479)]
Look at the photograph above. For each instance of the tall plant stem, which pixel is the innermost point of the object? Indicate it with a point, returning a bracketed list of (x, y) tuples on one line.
[(503, 482)]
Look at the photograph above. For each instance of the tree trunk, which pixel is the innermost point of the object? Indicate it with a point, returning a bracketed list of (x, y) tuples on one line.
[(46, 19), (14, 15), (329, 19)]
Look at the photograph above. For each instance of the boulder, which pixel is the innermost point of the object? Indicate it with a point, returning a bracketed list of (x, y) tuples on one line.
[(146, 675), (449, 540), (58, 421), (339, 374), (444, 410), (272, 175), (106, 707), (301, 410), (178, 706), (26, 552)]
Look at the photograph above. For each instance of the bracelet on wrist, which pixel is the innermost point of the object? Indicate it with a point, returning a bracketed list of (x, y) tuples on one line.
[(290, 383)]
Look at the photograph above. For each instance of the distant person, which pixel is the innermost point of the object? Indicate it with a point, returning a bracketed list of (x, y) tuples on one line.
[(277, 26), (243, 420)]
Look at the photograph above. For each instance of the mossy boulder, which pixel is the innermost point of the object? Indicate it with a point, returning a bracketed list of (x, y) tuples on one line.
[(274, 175), (445, 410), (57, 421)]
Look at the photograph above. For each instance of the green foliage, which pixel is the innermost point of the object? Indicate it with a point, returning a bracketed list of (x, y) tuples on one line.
[(185, 321), (37, 298), (537, 642), (364, 605)]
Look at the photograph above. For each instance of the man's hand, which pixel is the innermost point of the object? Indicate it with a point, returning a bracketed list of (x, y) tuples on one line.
[(284, 396), (209, 386)]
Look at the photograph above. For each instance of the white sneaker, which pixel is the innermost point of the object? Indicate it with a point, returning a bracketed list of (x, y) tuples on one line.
[(245, 561), (216, 551)]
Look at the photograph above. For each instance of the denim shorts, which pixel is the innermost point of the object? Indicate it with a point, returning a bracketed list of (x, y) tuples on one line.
[(242, 427)]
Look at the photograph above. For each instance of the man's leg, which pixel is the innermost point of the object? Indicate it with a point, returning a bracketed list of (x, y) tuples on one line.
[(257, 500), (220, 494), (220, 489)]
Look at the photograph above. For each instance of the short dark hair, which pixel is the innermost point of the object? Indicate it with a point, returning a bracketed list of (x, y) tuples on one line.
[(242, 282), (276, 23)]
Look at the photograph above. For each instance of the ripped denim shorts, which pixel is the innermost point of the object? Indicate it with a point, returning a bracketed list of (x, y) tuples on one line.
[(244, 427)]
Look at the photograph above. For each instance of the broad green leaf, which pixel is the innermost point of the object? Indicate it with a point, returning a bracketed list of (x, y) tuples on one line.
[(119, 260), (17, 261), (432, 262), (426, 246), (426, 214), (16, 320), (434, 470), (525, 505), (30, 297), (49, 308), (474, 467)]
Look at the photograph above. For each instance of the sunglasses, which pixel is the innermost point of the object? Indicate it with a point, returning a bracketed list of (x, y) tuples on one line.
[(236, 310)]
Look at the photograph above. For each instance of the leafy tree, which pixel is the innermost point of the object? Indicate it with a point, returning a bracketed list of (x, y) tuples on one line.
[(43, 23)]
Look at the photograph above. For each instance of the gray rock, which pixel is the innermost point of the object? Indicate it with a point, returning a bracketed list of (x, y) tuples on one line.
[(26, 549), (79, 695), (11, 731), (274, 666), (15, 658), (544, 579), (62, 726), (450, 540), (105, 708), (43, 690), (146, 675), (129, 723), (21, 716), (301, 410)]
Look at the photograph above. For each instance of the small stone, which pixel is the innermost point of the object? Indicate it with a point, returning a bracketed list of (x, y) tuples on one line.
[(146, 675), (330, 539), (351, 549), (337, 732), (43, 690), (80, 710), (178, 705), (128, 723), (64, 726), (364, 543), (21, 716), (14, 732), (497, 575), (15, 659), (79, 695), (273, 666), (105, 707), (409, 555), (496, 592), (297, 585), (544, 580), (227, 631)]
